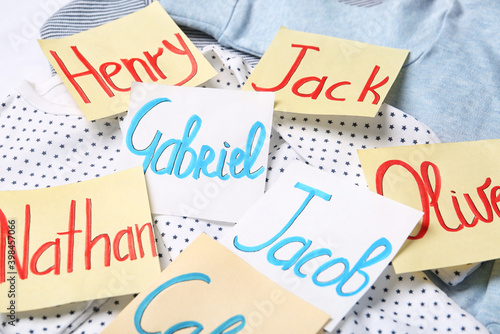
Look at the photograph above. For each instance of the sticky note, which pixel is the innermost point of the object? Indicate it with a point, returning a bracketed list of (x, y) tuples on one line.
[(323, 75), (76, 242), (456, 185), (204, 151), (98, 65), (209, 288), (321, 238)]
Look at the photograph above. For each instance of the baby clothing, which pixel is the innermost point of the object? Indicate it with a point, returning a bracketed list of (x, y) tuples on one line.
[(67, 21), (87, 143), (83, 15), (450, 79), (46, 144), (328, 143)]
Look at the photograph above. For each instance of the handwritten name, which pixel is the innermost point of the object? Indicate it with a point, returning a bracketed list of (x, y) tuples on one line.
[(237, 320), (430, 196), (300, 258), (184, 160), (133, 240), (105, 72), (320, 82)]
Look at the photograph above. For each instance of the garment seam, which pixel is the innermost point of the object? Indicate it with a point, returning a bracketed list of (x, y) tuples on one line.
[(223, 31), (434, 42)]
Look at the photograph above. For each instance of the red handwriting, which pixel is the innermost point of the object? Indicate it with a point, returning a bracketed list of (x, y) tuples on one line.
[(22, 265), (430, 196), (368, 87), (103, 76)]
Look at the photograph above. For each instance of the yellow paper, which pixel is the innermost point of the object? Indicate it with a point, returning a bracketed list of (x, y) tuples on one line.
[(114, 206), (322, 75), (232, 292), (99, 65), (446, 182)]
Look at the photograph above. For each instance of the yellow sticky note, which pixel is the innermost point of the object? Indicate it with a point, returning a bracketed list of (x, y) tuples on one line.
[(208, 287), (82, 241), (456, 185), (99, 65), (322, 75)]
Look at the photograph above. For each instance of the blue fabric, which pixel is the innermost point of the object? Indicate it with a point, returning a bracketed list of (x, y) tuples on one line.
[(450, 80), (489, 313), (479, 294)]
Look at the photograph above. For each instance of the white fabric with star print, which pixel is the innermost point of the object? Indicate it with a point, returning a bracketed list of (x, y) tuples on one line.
[(46, 144)]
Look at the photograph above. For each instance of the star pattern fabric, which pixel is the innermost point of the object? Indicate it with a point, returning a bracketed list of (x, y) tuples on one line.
[(44, 145)]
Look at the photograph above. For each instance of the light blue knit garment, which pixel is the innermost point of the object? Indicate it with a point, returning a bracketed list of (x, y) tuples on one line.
[(451, 78)]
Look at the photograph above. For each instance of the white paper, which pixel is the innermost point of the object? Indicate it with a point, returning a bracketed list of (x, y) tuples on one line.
[(223, 122), (339, 218)]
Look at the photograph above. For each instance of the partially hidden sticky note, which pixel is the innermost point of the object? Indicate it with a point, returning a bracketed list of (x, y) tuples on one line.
[(98, 65), (69, 243), (456, 185), (209, 288), (321, 238), (323, 75), (204, 150)]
